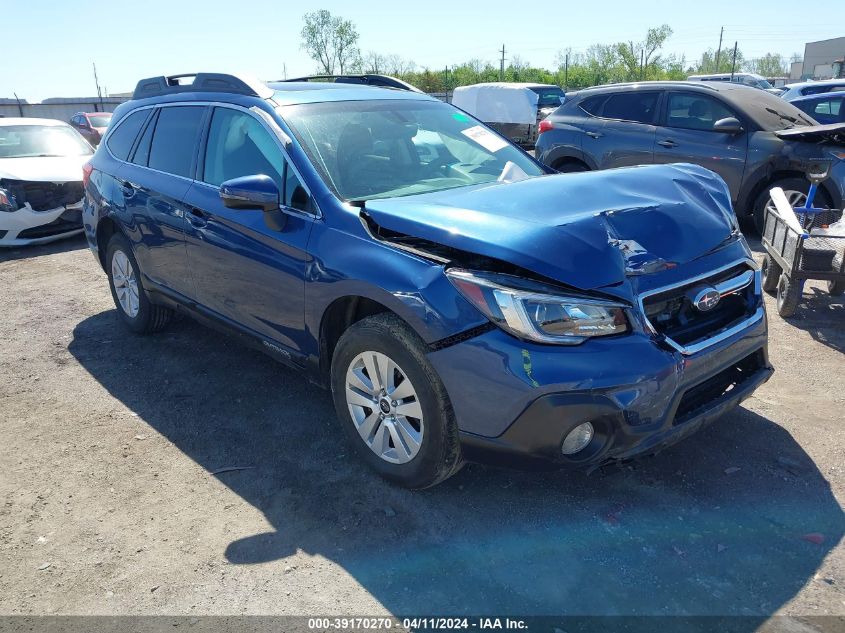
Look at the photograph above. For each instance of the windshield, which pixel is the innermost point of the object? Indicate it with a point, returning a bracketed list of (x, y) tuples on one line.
[(22, 141), (386, 148), (101, 120), (549, 96)]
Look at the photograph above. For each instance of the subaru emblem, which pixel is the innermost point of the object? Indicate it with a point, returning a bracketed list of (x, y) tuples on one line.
[(706, 299)]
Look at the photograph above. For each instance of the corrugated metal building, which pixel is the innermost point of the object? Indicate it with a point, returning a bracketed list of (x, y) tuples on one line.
[(823, 59), (60, 108)]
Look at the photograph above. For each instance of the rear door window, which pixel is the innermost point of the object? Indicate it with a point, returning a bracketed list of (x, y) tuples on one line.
[(593, 105), (174, 142), (692, 111), (121, 140), (634, 106)]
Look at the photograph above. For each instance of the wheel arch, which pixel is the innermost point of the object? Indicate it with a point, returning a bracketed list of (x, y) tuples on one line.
[(106, 227), (338, 316), (771, 177)]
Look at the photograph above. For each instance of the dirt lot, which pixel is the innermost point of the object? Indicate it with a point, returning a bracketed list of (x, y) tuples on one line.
[(111, 504)]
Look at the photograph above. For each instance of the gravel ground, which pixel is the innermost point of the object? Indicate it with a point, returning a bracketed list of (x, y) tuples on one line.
[(113, 501)]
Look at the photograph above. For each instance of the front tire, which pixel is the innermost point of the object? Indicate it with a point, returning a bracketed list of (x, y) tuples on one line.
[(770, 271), (789, 295), (134, 307), (392, 405)]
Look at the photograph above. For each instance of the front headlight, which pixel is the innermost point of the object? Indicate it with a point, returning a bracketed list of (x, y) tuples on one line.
[(7, 201), (524, 310)]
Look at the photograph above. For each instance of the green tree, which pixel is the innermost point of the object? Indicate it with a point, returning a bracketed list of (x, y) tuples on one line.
[(708, 64), (769, 65), (330, 41)]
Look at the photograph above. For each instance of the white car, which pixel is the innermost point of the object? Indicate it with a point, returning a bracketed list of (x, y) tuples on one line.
[(40, 180), (807, 88)]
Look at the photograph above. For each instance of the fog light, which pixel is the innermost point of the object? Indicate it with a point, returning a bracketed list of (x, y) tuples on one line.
[(577, 439)]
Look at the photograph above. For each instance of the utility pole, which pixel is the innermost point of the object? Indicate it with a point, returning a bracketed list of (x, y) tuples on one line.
[(97, 83), (285, 69), (719, 50), (502, 65), (733, 64), (566, 72), (642, 64)]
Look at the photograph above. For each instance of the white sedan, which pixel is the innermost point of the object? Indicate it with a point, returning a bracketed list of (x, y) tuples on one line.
[(40, 180)]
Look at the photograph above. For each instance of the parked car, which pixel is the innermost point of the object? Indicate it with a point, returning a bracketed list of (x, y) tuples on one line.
[(746, 79), (40, 180), (460, 301), (512, 109), (808, 88), (91, 125), (826, 107), (733, 130)]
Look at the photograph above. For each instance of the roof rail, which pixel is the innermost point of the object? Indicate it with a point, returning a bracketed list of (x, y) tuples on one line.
[(202, 82), (368, 79)]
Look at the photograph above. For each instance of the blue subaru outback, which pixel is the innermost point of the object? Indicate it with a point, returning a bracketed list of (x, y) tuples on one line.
[(461, 302)]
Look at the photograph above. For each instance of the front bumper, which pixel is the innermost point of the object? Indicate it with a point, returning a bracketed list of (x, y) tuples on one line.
[(25, 226), (516, 401)]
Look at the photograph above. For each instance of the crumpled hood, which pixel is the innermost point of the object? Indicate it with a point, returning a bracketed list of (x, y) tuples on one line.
[(831, 133), (44, 169), (587, 230)]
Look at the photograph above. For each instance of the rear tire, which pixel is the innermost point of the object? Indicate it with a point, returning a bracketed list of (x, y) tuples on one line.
[(134, 307), (571, 167), (770, 272), (796, 185), (415, 450), (789, 295)]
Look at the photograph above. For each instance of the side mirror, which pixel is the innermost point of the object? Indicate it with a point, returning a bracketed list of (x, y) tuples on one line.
[(728, 125), (250, 192), (818, 171)]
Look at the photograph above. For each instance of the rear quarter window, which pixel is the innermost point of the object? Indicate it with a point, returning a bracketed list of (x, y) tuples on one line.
[(120, 141), (175, 139)]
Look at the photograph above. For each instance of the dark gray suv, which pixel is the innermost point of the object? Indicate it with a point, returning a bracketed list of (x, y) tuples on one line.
[(752, 139)]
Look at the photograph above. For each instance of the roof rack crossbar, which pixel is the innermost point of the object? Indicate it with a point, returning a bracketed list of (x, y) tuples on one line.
[(202, 82)]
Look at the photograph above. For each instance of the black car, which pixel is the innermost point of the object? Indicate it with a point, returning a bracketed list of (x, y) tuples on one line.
[(752, 139)]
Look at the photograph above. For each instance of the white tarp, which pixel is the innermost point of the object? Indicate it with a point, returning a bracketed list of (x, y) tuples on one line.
[(498, 102)]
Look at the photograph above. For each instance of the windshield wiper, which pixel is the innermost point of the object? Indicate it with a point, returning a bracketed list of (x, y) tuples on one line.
[(783, 116)]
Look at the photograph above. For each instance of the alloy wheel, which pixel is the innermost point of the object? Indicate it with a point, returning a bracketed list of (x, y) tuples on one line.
[(125, 284), (384, 407), (795, 198)]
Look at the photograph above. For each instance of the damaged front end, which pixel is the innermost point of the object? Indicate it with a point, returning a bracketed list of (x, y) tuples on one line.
[(603, 347), (33, 212)]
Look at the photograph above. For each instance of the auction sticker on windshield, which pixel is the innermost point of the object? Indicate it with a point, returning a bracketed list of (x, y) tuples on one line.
[(485, 138)]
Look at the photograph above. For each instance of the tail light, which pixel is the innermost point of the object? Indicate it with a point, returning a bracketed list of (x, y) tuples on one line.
[(87, 168), (545, 126)]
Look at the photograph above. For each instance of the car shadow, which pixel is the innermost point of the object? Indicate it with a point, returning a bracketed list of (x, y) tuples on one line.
[(821, 316), (717, 525), (73, 243)]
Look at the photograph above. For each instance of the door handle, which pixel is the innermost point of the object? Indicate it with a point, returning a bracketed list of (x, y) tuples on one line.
[(197, 217), (667, 143), (594, 134)]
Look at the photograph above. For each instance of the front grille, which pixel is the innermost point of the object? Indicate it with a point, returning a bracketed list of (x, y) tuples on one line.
[(43, 196), (672, 312), (713, 389)]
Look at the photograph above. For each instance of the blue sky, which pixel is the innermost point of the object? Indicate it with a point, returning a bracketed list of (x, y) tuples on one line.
[(57, 41)]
